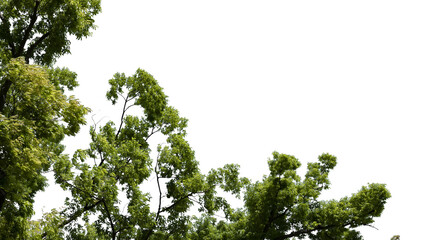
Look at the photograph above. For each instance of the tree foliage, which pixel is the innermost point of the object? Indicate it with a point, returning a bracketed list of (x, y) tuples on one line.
[(122, 186), (39, 29), (33, 123), (35, 113), (118, 161), (282, 206)]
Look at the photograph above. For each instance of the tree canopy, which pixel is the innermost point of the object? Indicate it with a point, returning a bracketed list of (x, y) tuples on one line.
[(38, 29), (122, 186), (35, 113)]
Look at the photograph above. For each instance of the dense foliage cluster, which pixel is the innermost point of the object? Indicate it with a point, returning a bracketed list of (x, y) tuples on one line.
[(107, 181)]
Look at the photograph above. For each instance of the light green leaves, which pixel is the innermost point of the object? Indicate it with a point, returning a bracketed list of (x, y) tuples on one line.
[(34, 98), (35, 118), (48, 225), (35, 114)]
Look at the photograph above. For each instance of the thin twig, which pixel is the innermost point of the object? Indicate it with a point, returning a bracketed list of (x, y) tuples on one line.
[(124, 109)]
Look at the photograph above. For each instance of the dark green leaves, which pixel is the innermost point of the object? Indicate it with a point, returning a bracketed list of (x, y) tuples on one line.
[(282, 206), (39, 29), (62, 78), (282, 163)]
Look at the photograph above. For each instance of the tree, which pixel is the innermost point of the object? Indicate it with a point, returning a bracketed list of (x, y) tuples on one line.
[(35, 113), (119, 160), (38, 29), (121, 186), (33, 123), (282, 206)]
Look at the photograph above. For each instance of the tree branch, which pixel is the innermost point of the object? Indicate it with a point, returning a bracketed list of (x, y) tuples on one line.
[(179, 200), (124, 109), (371, 226), (111, 221), (2, 198), (75, 215), (34, 45), (160, 199), (3, 93), (98, 148), (152, 132), (150, 232), (272, 216), (306, 231), (160, 190), (77, 188), (28, 30), (9, 37)]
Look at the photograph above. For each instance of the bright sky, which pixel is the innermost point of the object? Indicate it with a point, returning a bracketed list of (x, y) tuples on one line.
[(357, 79)]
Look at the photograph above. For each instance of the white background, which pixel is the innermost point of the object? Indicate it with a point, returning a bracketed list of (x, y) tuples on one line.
[(357, 79)]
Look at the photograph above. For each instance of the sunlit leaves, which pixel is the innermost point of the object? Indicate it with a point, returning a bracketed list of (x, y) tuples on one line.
[(282, 163), (118, 161), (34, 98), (48, 225), (35, 113), (141, 87), (35, 118)]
